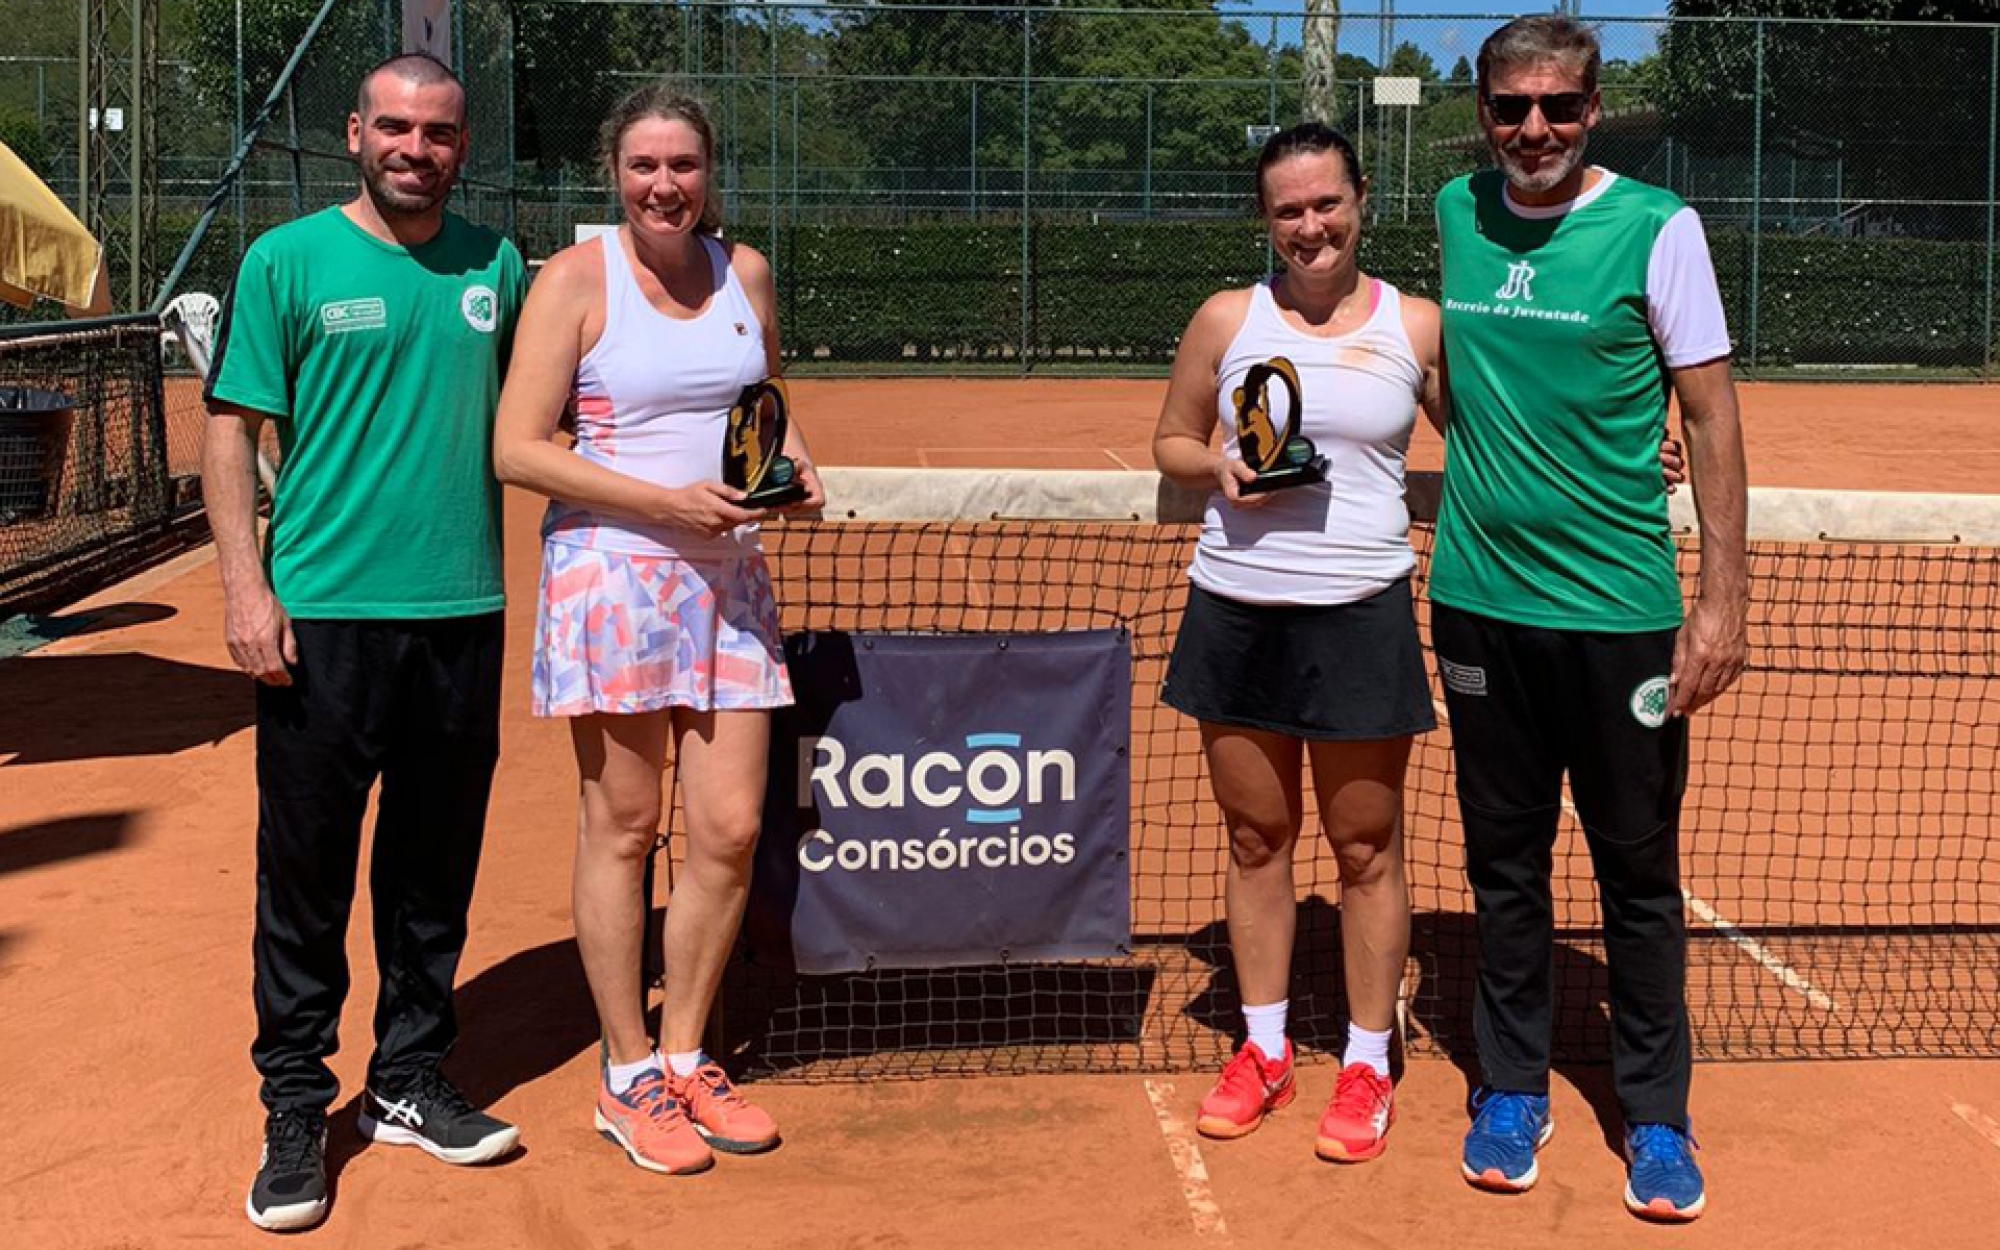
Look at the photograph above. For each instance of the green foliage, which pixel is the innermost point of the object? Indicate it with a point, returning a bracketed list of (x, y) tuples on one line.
[(1412, 62), (1906, 302), (1121, 294), (952, 291), (1903, 111), (271, 29), (20, 131), (1846, 10)]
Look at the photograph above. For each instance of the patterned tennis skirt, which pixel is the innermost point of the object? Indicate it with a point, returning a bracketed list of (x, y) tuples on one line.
[(631, 633)]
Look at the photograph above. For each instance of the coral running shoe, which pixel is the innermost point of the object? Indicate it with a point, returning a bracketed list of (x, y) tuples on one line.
[(1663, 1182), (650, 1126), (1355, 1127), (1251, 1086), (1507, 1129), (723, 1117)]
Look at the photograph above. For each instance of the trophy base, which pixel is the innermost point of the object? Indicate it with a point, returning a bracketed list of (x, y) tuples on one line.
[(773, 496), (1303, 474)]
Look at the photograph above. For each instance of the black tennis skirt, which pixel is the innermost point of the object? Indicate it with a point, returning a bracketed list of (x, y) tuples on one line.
[(1344, 672)]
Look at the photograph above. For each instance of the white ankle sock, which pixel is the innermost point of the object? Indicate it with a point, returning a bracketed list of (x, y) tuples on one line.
[(619, 1076), (1369, 1047), (1267, 1027), (684, 1064)]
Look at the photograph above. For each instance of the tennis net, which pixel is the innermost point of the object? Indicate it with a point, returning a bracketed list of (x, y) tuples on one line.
[(1839, 832), (94, 469)]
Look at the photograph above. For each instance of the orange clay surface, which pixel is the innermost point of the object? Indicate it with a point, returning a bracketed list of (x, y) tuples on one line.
[(128, 1110)]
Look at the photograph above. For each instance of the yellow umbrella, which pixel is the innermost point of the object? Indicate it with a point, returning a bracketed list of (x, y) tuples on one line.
[(44, 250)]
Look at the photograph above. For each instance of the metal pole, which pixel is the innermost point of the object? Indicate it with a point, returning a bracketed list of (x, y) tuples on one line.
[(242, 241), (1992, 184), (1149, 152), (135, 171), (1027, 121), (771, 79), (972, 180), (298, 162), (84, 57), (513, 153), (1756, 196), (795, 151), (1409, 121)]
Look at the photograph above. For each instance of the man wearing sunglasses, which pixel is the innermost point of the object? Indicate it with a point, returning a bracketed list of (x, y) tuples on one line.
[(1575, 301)]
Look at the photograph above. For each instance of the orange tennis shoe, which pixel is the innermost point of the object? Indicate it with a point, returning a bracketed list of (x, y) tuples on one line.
[(1251, 1086), (650, 1126), (723, 1117), (1355, 1127)]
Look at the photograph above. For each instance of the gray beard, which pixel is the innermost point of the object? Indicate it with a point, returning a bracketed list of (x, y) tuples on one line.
[(1548, 177)]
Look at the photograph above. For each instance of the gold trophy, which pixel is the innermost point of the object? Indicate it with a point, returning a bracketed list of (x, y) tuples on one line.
[(1280, 458), (752, 461)]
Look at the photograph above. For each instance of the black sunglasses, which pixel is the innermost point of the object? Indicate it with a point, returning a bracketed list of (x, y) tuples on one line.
[(1562, 108)]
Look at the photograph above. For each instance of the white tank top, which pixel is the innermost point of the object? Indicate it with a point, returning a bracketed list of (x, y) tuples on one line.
[(1346, 538), (652, 398)]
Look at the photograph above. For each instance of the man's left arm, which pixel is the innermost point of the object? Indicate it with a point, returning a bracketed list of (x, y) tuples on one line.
[(1710, 649)]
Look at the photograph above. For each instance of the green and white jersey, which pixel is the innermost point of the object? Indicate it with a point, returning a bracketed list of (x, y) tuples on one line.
[(1560, 325), (382, 367)]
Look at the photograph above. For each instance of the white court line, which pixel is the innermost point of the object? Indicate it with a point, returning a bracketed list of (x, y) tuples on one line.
[(1115, 458), (1757, 951), (1981, 1123), (1186, 1156)]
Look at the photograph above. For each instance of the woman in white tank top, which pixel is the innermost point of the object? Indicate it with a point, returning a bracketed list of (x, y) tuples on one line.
[(1299, 644), (656, 620)]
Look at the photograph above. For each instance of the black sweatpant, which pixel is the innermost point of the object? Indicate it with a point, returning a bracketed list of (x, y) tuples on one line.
[(416, 704), (1528, 705)]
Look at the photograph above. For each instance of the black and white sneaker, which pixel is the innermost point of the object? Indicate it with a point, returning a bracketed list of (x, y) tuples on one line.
[(289, 1193), (430, 1114)]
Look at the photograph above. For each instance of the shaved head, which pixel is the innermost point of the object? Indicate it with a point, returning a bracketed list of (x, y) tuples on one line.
[(416, 68)]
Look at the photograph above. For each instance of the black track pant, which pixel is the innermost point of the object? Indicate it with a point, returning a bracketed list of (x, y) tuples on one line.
[(417, 705), (1527, 706)]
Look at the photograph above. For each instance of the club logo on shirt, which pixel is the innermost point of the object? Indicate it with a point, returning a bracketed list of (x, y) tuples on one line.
[(348, 315), (1462, 678), (1519, 284), (481, 308), (1649, 702)]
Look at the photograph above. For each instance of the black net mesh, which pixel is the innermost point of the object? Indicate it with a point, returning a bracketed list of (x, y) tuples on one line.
[(1843, 893), (91, 468)]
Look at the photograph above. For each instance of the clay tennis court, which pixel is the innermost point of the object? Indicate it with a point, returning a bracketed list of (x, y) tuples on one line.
[(126, 878)]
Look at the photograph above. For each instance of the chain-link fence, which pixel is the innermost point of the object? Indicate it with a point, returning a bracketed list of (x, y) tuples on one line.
[(1846, 171)]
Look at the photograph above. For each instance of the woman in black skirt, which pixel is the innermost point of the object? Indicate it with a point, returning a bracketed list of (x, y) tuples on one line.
[(1299, 644)]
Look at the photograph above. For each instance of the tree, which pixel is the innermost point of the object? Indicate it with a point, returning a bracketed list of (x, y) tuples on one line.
[(1408, 61), (1320, 94), (1886, 113)]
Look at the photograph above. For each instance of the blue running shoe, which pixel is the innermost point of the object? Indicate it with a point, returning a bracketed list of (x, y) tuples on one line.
[(1663, 1182), (1507, 1130)]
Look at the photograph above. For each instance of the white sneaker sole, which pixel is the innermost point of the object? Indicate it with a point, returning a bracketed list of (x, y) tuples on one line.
[(286, 1219), (1665, 1212), (609, 1131), (485, 1150), (1495, 1184)]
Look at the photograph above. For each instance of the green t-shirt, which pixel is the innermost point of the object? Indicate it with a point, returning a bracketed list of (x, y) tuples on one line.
[(1554, 512), (382, 367)]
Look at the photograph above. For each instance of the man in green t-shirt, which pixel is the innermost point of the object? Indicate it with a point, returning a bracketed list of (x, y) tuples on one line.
[(1574, 303), (373, 336)]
